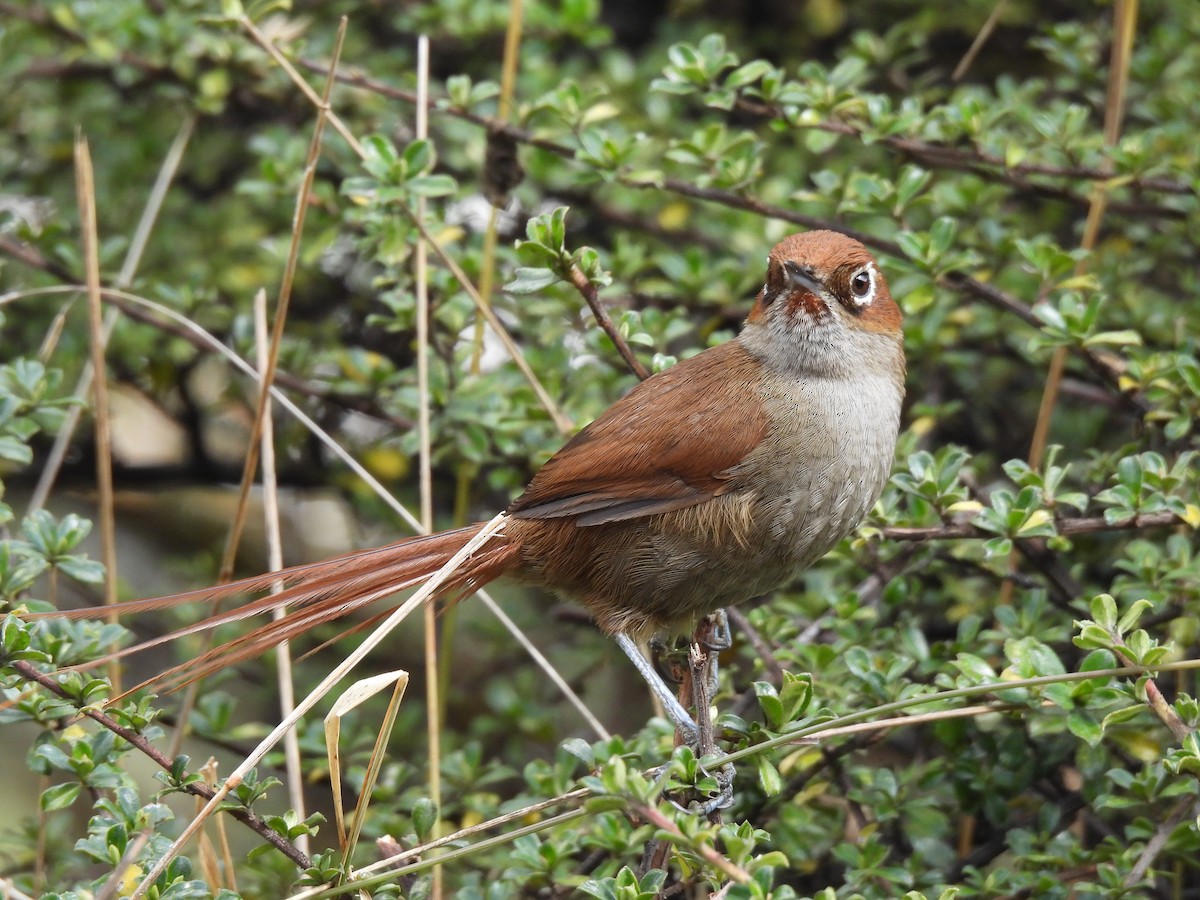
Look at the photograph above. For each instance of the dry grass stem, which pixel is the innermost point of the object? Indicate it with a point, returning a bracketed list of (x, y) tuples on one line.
[(360, 884), (283, 653), (433, 703), (563, 424), (1125, 14), (115, 882), (980, 39), (351, 698), (820, 729), (86, 193), (508, 80)]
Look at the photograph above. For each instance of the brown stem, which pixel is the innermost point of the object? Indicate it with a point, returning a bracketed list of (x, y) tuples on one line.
[(1080, 525), (588, 291), (945, 156), (1154, 697), (710, 854), (245, 816)]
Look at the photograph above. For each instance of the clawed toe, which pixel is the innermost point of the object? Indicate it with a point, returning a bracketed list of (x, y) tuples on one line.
[(691, 799)]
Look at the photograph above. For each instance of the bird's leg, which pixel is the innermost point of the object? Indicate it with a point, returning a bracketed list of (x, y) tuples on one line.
[(698, 685), (673, 708)]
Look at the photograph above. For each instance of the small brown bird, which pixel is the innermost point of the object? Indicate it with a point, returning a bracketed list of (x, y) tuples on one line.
[(708, 484)]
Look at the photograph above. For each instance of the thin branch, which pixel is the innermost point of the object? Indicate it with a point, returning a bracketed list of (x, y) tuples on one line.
[(1164, 710), (247, 817), (944, 156), (656, 818), (1154, 697), (588, 291), (1072, 526), (758, 642)]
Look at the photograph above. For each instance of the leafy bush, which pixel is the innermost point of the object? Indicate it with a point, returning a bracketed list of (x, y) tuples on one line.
[(985, 692)]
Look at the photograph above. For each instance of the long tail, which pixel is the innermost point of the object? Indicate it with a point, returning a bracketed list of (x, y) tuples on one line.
[(315, 593)]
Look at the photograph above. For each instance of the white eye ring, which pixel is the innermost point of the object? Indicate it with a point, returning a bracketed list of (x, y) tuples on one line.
[(862, 287)]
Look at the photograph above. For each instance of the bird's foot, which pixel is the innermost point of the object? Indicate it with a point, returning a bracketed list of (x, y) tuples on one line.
[(693, 788), (713, 632)]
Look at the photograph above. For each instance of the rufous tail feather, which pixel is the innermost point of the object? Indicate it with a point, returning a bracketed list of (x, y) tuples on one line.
[(313, 594)]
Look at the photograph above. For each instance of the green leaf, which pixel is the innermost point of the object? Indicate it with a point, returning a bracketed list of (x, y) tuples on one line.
[(768, 702), (528, 280), (424, 817), (60, 796), (819, 141), (1104, 611), (1133, 614), (795, 695), (769, 778), (431, 185), (1031, 658), (418, 156), (748, 73), (1084, 727), (581, 750)]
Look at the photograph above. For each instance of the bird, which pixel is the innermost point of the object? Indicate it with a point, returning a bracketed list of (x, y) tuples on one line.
[(708, 484)]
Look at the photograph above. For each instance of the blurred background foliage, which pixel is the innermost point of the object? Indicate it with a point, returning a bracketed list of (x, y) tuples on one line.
[(1028, 178)]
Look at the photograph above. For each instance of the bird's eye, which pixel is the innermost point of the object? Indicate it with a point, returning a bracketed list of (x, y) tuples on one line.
[(862, 287), (861, 283)]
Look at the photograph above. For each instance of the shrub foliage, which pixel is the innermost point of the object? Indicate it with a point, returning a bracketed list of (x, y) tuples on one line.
[(930, 712)]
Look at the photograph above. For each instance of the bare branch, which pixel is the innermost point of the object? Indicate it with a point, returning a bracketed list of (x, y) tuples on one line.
[(1079, 525), (588, 291)]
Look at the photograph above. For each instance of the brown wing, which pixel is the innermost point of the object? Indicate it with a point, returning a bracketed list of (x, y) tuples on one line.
[(665, 445)]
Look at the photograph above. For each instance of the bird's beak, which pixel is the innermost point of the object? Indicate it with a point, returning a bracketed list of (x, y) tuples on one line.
[(803, 277)]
